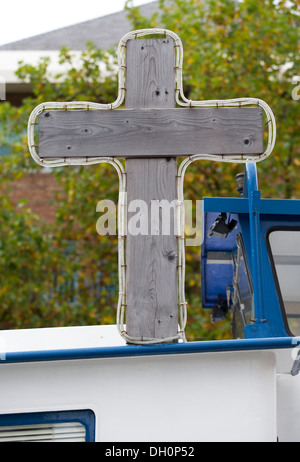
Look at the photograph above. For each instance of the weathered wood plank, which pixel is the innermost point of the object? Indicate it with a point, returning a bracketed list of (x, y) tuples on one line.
[(150, 78), (152, 293), (152, 275), (151, 132)]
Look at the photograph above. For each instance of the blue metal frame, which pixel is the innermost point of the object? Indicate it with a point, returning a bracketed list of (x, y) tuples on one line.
[(128, 351), (213, 283), (254, 196), (256, 216), (85, 417)]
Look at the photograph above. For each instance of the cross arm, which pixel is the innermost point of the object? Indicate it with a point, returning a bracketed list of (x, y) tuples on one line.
[(133, 133)]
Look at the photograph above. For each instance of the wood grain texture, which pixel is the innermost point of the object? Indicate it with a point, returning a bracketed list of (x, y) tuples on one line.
[(150, 76), (152, 275), (152, 294), (151, 132)]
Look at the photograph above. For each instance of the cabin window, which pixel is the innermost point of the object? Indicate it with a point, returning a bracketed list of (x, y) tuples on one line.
[(243, 300), (284, 248), (47, 427)]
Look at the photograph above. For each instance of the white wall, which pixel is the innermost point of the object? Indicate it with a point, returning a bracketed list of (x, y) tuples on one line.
[(195, 397)]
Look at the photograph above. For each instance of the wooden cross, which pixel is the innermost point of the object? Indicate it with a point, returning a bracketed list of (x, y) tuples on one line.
[(150, 133)]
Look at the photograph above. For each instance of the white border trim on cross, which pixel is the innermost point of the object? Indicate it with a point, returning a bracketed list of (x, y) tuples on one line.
[(181, 100)]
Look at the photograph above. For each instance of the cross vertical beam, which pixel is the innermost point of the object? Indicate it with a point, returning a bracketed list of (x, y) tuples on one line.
[(152, 273)]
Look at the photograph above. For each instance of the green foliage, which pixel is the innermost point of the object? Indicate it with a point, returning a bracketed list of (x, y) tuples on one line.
[(232, 49), (64, 274)]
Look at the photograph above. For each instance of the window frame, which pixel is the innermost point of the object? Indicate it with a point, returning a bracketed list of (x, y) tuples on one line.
[(85, 417), (274, 272), (236, 286)]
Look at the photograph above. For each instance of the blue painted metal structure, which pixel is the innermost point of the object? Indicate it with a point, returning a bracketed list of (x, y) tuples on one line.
[(85, 417), (255, 217), (128, 351)]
